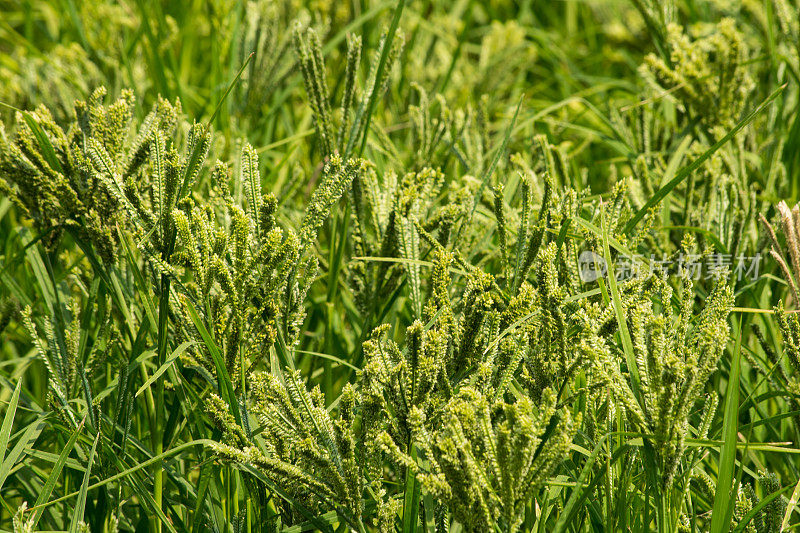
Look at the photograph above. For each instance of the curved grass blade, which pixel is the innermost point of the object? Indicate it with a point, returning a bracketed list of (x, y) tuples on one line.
[(80, 507), (174, 355), (52, 479), (328, 357), (694, 165), (8, 420)]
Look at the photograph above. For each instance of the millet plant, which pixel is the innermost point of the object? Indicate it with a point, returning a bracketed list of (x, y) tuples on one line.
[(404, 266)]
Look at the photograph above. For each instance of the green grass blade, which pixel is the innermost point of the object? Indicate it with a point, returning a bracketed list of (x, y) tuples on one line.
[(581, 489), (8, 420), (622, 321), (80, 506), (28, 437), (387, 47), (411, 499), (52, 479), (223, 378), (694, 165), (329, 358), (231, 85), (725, 496), (174, 355), (204, 481), (128, 471), (791, 506)]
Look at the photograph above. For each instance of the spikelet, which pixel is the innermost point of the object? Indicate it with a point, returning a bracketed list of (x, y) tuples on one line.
[(674, 362), (409, 250), (21, 523), (502, 233), (309, 52), (436, 127), (485, 459), (745, 499), (251, 179), (338, 175), (790, 226), (789, 325), (349, 93), (705, 73), (265, 36), (69, 365), (769, 518), (394, 219), (48, 172), (309, 454), (240, 273), (375, 87), (354, 110)]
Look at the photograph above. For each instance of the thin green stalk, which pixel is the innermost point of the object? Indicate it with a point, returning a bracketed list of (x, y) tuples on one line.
[(725, 497), (387, 47), (411, 496)]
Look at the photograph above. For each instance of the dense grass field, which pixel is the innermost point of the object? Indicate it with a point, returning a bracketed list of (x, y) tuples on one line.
[(415, 266)]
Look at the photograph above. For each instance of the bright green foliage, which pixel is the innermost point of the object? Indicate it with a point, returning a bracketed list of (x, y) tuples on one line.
[(706, 71), (309, 455), (86, 180), (50, 174), (327, 271), (487, 459), (675, 355)]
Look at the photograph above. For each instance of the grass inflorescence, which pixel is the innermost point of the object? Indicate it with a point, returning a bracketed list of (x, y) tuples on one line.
[(399, 266)]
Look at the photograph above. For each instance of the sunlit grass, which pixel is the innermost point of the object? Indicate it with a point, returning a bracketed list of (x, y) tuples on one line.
[(324, 266)]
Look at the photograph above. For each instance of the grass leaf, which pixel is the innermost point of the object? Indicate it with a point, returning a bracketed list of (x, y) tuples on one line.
[(725, 497), (694, 165), (80, 506), (52, 479), (8, 420), (174, 355)]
